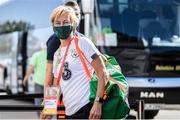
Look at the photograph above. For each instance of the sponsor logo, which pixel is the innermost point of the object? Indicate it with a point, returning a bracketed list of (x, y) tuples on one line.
[(167, 68), (151, 94), (66, 75), (177, 68), (164, 68)]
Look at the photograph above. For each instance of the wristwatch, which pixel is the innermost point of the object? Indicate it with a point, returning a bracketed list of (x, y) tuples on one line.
[(99, 99)]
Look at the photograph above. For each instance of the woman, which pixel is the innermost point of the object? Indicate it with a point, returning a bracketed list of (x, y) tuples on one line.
[(75, 83)]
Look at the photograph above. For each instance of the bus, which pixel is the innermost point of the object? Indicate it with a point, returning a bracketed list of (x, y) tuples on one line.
[(17, 47), (144, 37)]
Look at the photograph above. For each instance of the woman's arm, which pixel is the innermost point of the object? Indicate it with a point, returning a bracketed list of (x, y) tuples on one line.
[(49, 74), (101, 73)]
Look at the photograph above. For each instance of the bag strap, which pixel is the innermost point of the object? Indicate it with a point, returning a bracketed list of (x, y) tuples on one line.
[(81, 55), (119, 84)]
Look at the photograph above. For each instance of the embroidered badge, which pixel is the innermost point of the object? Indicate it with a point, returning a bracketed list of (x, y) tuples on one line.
[(74, 53), (66, 73)]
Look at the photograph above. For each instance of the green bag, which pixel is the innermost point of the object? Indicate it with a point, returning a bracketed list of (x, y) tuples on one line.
[(115, 106)]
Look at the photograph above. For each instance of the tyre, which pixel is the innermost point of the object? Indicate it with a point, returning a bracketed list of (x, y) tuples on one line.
[(150, 114)]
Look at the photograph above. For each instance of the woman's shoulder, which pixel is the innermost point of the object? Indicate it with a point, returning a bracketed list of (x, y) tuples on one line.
[(84, 40)]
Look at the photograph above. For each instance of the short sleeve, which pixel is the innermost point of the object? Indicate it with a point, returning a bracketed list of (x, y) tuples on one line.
[(88, 48), (33, 60), (52, 45)]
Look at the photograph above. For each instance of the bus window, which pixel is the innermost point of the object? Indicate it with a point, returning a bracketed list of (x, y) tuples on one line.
[(146, 33), (136, 20)]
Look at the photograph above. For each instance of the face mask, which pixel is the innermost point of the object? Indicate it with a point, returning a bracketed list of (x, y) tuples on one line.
[(63, 32)]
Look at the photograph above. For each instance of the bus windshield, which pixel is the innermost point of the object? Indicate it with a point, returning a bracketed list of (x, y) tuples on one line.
[(142, 22), (143, 35)]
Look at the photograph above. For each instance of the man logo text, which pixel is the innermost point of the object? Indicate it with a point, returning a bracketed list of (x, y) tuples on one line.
[(152, 95)]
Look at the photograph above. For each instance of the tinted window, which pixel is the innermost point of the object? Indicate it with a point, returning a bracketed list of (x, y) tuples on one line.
[(147, 22)]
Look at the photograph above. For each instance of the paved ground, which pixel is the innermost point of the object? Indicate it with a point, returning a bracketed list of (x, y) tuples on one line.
[(16, 115), (163, 114), (168, 114)]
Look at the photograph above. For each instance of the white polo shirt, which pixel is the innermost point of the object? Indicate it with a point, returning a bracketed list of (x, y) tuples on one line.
[(74, 82)]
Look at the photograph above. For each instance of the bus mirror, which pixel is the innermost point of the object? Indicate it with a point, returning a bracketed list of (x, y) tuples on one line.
[(87, 6)]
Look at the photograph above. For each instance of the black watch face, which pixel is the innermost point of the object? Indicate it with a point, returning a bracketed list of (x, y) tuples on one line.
[(98, 99), (101, 100)]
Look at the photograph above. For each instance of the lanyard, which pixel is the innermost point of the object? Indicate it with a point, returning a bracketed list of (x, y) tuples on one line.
[(63, 61)]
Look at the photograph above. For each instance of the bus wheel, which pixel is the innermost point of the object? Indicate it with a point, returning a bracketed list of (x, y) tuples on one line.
[(150, 114)]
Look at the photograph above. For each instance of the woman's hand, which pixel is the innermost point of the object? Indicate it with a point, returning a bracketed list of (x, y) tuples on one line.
[(96, 111)]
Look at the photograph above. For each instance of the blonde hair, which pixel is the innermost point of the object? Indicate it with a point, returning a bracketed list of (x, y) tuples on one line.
[(58, 11)]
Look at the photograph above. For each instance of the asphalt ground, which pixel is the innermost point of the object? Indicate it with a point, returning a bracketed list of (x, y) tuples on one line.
[(163, 114), (5, 115)]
